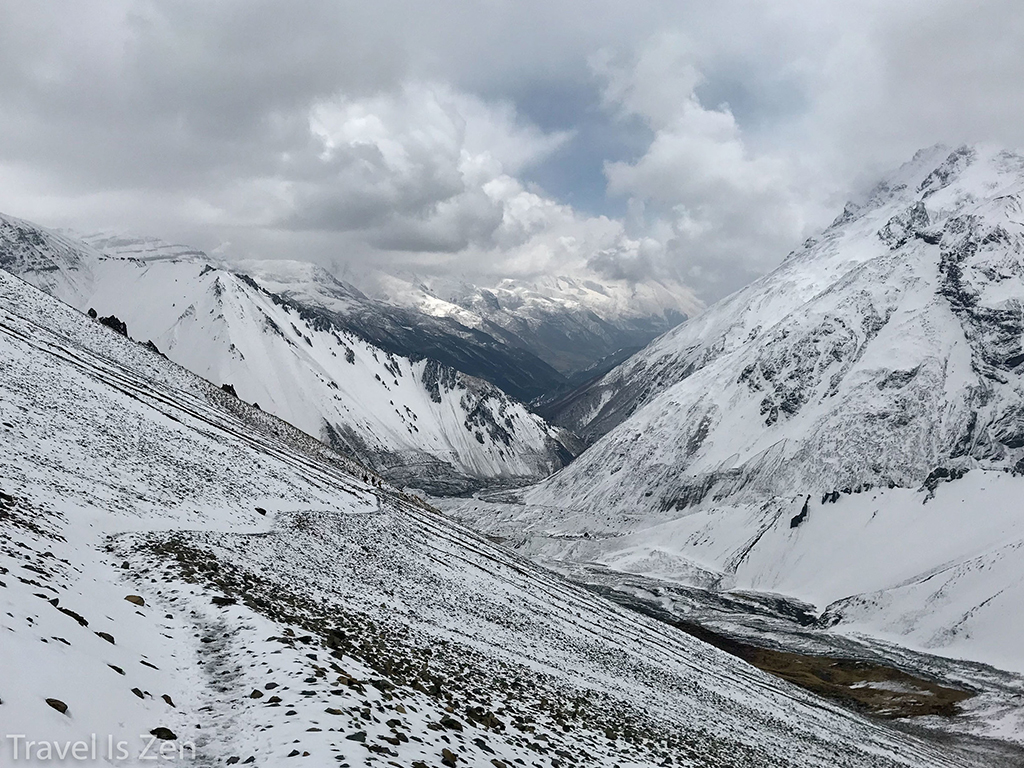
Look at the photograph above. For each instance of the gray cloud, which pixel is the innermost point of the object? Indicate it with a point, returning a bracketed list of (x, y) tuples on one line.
[(413, 133)]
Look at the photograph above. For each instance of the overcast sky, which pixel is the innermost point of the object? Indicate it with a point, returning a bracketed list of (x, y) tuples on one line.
[(691, 139)]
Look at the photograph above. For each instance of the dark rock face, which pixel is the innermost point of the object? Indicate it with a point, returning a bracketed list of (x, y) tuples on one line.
[(115, 324), (798, 519), (438, 378), (900, 228)]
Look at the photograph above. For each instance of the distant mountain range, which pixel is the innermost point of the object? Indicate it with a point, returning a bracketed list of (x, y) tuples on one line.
[(582, 327)]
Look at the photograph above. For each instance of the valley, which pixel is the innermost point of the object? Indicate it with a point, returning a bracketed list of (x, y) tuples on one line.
[(785, 532)]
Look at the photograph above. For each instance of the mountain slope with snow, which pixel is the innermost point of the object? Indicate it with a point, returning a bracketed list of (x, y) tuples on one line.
[(268, 334), (179, 565), (490, 354), (850, 424)]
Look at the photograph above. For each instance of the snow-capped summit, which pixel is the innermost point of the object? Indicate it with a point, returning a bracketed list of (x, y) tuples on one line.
[(311, 350), (805, 434), (123, 246)]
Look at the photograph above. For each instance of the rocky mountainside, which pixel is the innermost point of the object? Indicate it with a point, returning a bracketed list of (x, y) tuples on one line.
[(940, 196), (582, 326), (489, 354), (302, 345), (848, 429), (177, 564)]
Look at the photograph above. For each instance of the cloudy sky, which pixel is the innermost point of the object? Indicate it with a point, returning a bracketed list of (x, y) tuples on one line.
[(500, 137)]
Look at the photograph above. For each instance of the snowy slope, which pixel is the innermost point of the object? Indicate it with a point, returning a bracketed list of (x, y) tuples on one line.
[(792, 437), (286, 609), (576, 324), (419, 422)]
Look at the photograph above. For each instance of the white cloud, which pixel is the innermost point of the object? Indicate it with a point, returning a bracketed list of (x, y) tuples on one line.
[(720, 212), (408, 132), (410, 169)]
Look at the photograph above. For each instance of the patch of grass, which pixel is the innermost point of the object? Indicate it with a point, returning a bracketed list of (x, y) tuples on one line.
[(866, 686)]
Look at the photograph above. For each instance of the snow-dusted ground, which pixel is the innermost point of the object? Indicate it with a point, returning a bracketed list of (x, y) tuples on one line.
[(416, 421), (293, 610)]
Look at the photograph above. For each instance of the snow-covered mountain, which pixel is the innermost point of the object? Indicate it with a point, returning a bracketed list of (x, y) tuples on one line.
[(291, 338), (492, 355), (848, 429), (582, 326), (177, 564)]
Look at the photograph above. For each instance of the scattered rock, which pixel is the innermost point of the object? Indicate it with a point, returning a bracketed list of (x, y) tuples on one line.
[(135, 599), (451, 723), (116, 669), (224, 601), (448, 757), (138, 692), (164, 734), (357, 736), (73, 615), (106, 636), (256, 694), (59, 705), (798, 519), (114, 323), (333, 711), (168, 699)]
